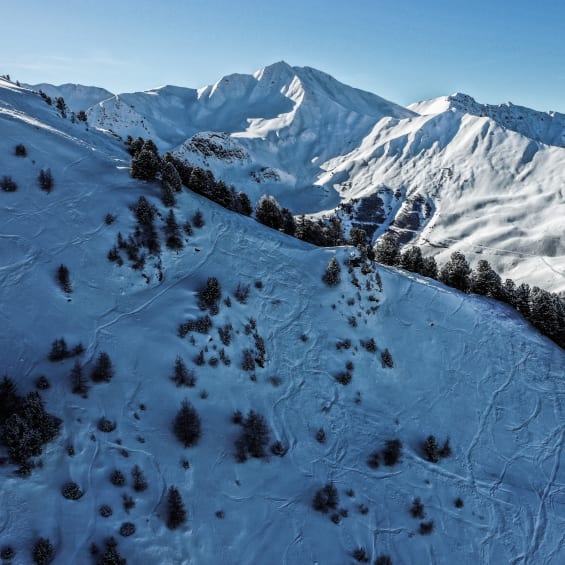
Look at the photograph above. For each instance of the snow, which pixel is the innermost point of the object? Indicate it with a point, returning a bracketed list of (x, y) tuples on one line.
[(464, 367)]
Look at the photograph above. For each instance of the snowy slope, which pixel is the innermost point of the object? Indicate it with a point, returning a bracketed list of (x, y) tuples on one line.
[(464, 367), (77, 96), (486, 180)]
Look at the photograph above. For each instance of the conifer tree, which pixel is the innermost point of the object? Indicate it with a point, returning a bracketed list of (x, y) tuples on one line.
[(333, 271), (456, 271), (103, 370), (176, 510), (78, 380), (268, 212), (172, 232), (386, 251), (186, 425)]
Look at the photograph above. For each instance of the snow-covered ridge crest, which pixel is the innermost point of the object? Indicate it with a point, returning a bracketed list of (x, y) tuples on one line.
[(545, 127)]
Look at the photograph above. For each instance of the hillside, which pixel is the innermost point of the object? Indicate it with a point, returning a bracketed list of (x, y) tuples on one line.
[(465, 368)]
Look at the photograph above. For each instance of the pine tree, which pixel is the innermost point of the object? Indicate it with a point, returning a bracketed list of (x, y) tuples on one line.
[(386, 251), (139, 481), (268, 212), (485, 281), (333, 271), (43, 551), (182, 375), (167, 194), (210, 295), (176, 510), (170, 175), (244, 204), (45, 180), (63, 278), (456, 271), (431, 449), (186, 425), (78, 381), (172, 232), (103, 370), (429, 268), (145, 165), (412, 260), (10, 402), (255, 434)]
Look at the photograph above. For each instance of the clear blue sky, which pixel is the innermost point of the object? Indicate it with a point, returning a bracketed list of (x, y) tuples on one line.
[(404, 50)]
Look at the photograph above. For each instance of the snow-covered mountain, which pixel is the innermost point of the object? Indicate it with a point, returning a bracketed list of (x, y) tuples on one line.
[(463, 367), (446, 174)]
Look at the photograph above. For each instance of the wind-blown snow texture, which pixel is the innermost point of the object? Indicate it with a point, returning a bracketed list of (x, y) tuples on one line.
[(464, 367)]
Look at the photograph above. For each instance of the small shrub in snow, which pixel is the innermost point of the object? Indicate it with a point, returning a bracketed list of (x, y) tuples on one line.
[(176, 510), (7, 184), (360, 555), (242, 293), (259, 284), (321, 436), (42, 383), (363, 509), (7, 553), (21, 150), (426, 528), (386, 359), (343, 344), (111, 555), (127, 529), (117, 478), (199, 359), (60, 350), (458, 502), (183, 376), (433, 453), (105, 511), (220, 514), (248, 362), (326, 498), (45, 180), (335, 518), (374, 460), (278, 449), (109, 219), (417, 509), (106, 426), (254, 437), (352, 321), (369, 345), (201, 325), (186, 425), (225, 333), (343, 378), (71, 491), (383, 559), (392, 452), (43, 552), (128, 502), (237, 417)]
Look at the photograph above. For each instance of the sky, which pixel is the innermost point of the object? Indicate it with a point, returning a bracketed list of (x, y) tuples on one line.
[(404, 50)]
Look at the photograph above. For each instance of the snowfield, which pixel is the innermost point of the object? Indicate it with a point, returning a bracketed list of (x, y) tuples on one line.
[(464, 367)]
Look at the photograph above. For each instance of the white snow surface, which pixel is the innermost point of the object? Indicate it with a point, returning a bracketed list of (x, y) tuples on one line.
[(464, 367), (77, 96)]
